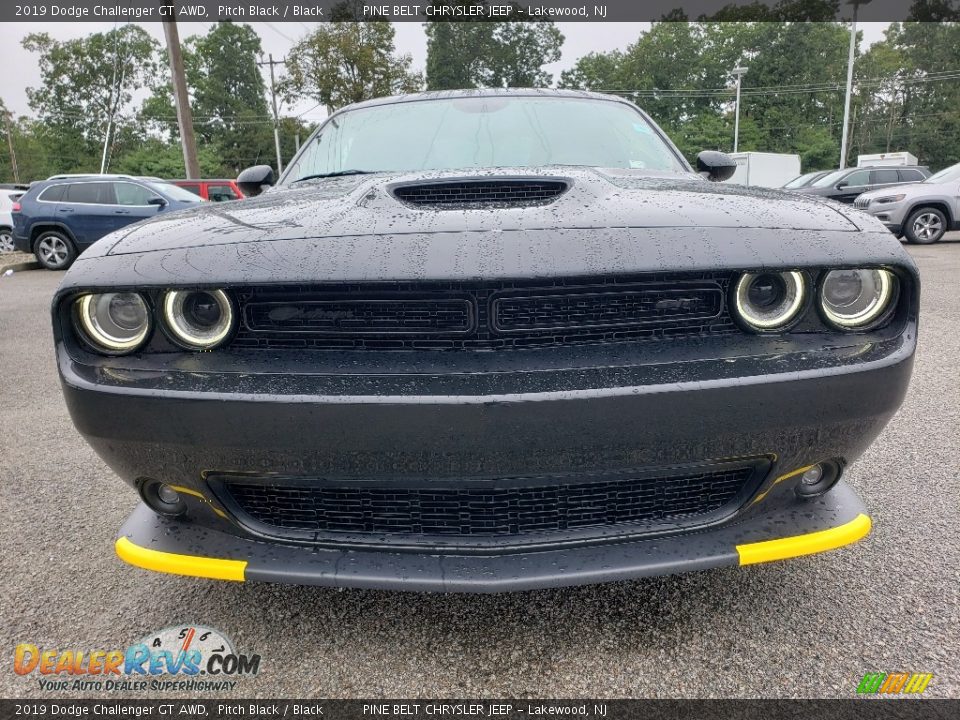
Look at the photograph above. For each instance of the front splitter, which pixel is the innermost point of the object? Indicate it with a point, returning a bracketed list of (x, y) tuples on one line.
[(808, 526)]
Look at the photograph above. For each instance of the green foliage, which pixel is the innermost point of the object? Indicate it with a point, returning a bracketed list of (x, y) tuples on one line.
[(906, 92), (455, 54), (341, 63), (228, 97), (792, 94), (490, 53), (163, 159), (87, 81)]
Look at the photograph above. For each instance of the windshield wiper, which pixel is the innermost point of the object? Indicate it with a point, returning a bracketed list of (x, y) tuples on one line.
[(338, 173)]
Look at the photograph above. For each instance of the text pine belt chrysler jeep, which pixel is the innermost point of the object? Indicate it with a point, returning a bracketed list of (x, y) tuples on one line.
[(483, 341)]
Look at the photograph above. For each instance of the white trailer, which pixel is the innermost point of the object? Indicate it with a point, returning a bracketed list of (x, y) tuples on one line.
[(761, 169), (894, 158)]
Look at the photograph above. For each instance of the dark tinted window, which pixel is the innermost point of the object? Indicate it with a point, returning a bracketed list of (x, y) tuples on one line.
[(861, 177), (131, 194), (92, 193), (878, 177), (195, 189), (54, 193), (911, 175), (219, 193)]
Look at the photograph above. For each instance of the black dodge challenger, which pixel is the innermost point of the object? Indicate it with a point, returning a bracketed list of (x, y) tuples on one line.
[(482, 341)]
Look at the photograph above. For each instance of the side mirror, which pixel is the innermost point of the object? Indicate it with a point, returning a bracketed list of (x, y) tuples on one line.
[(253, 179), (716, 166), (842, 185), (158, 201)]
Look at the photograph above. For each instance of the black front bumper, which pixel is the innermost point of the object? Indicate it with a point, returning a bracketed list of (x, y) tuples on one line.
[(836, 519), (184, 425)]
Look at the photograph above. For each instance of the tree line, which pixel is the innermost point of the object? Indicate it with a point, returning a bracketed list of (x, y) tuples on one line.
[(115, 86)]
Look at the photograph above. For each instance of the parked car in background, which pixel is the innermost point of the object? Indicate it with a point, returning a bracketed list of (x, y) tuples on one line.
[(805, 179), (7, 198), (212, 190), (488, 340), (845, 185), (922, 212), (58, 219)]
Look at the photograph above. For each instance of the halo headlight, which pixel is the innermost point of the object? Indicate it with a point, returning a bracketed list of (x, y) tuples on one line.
[(856, 298), (198, 319), (769, 300), (113, 323)]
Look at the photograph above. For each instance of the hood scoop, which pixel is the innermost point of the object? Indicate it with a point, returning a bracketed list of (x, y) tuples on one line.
[(470, 194)]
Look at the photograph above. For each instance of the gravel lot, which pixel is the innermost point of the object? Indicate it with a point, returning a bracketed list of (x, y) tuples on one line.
[(806, 628)]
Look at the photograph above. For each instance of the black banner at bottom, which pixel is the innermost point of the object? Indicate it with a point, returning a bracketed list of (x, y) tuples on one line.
[(867, 709)]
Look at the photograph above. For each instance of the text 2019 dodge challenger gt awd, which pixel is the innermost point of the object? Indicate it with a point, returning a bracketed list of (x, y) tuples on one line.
[(488, 341)]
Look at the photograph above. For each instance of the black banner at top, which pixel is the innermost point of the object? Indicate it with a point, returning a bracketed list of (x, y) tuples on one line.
[(304, 11)]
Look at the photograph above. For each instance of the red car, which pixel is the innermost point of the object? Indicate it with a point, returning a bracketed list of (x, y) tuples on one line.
[(212, 190)]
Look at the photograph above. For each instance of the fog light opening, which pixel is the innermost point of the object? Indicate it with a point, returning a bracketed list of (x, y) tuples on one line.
[(818, 479), (163, 499)]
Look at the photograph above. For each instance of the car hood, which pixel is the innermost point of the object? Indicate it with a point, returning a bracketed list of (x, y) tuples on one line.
[(910, 190), (363, 205)]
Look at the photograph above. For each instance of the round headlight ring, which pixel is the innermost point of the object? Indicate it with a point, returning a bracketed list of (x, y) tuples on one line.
[(198, 319), (876, 286), (792, 288), (115, 323)]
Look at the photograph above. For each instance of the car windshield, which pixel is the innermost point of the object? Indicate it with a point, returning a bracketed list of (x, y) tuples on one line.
[(802, 180), (948, 174), (174, 192), (830, 178), (485, 132)]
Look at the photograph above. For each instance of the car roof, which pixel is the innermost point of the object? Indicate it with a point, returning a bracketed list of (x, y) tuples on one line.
[(104, 176), (888, 167), (201, 180), (485, 92)]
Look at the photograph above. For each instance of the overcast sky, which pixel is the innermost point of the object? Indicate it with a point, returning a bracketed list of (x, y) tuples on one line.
[(580, 38)]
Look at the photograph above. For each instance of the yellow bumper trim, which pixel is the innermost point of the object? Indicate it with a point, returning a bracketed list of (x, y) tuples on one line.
[(193, 565), (797, 545)]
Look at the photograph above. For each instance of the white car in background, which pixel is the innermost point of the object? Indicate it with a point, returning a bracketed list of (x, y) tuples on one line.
[(923, 211), (7, 198)]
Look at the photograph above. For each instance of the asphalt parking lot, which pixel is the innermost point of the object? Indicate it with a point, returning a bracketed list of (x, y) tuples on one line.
[(806, 628)]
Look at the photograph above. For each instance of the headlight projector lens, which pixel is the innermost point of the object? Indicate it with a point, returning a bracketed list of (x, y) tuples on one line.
[(855, 299), (198, 319), (114, 323), (769, 301)]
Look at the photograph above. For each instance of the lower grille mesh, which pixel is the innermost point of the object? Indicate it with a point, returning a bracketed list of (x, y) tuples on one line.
[(294, 508)]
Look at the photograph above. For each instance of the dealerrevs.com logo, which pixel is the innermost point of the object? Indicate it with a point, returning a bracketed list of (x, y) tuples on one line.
[(190, 658)]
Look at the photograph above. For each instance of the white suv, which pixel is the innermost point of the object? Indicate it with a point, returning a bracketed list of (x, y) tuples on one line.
[(923, 211), (7, 198)]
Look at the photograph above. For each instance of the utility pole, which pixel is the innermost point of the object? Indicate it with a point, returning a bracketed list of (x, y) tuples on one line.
[(182, 99), (846, 101), (737, 72), (13, 155), (276, 115)]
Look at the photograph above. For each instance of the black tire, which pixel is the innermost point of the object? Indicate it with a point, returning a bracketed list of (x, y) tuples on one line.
[(54, 250), (6, 240), (925, 225)]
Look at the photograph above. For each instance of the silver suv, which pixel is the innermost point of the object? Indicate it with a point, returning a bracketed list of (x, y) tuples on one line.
[(923, 211)]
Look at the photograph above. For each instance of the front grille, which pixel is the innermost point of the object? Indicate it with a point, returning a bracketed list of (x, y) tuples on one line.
[(466, 194), (483, 315), (510, 508), (861, 203)]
